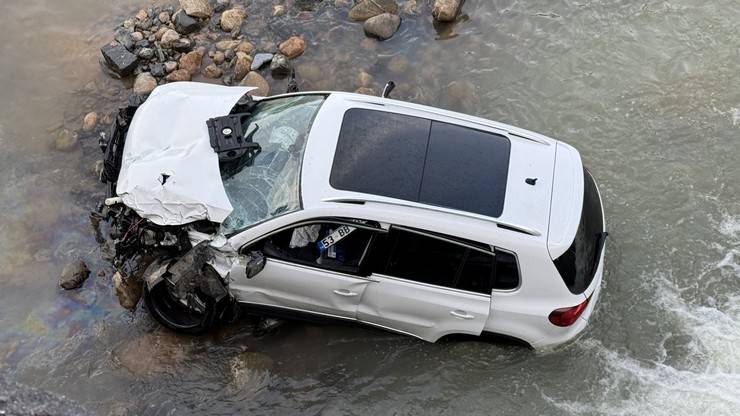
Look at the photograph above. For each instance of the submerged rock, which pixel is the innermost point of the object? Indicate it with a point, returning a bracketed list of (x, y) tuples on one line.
[(292, 47), (128, 291), (119, 59), (369, 8), (253, 79), (65, 140), (260, 59), (382, 26), (410, 7), (232, 19), (446, 10), (74, 275), (250, 369), (278, 10), (224, 45), (280, 66), (90, 121), (197, 8), (144, 83)]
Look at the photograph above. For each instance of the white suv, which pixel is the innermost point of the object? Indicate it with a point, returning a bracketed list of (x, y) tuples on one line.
[(405, 217)]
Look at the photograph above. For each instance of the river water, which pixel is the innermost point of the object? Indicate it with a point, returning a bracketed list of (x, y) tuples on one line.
[(647, 91)]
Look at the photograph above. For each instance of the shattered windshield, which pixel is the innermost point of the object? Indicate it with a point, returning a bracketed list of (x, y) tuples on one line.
[(270, 185)]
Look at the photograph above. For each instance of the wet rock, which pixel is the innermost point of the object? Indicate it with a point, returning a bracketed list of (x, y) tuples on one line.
[(98, 168), (382, 26), (160, 32), (90, 121), (137, 36), (278, 10), (144, 24), (119, 59), (182, 45), (410, 7), (253, 79), (242, 65), (280, 66), (185, 24), (232, 19), (366, 91), (227, 44), (446, 10), (144, 83), (141, 15), (212, 71), (74, 275), (164, 17), (364, 79), (168, 37), (245, 47), (369, 8), (146, 53), (197, 8), (309, 71), (179, 75), (260, 59), (170, 66), (128, 291), (123, 37), (65, 140), (218, 58), (292, 47), (191, 61), (157, 70)]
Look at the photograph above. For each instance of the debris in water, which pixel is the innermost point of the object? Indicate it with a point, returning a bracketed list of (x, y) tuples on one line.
[(74, 275)]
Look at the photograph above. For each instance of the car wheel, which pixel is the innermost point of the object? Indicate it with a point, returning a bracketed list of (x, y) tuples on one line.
[(175, 315)]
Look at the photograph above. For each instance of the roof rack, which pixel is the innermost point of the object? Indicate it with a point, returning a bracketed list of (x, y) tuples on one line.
[(500, 224)]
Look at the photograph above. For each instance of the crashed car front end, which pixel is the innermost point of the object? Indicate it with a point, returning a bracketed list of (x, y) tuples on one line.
[(189, 166)]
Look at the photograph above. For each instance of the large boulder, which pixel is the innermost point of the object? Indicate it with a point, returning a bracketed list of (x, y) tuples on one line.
[(232, 19), (369, 8), (446, 10), (197, 8), (119, 59), (292, 47), (74, 275), (382, 26), (253, 79)]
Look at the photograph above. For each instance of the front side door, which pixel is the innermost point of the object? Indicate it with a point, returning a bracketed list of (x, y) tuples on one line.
[(311, 267), (428, 286)]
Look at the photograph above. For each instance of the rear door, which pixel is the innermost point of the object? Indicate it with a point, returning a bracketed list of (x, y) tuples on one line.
[(428, 285), (311, 267)]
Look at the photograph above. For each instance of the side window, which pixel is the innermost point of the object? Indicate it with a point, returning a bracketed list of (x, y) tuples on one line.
[(423, 259), (428, 259), (333, 246)]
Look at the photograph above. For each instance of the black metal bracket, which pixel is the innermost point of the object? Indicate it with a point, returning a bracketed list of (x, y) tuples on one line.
[(230, 141)]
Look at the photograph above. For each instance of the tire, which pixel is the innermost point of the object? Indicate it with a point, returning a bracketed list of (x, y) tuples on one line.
[(172, 314)]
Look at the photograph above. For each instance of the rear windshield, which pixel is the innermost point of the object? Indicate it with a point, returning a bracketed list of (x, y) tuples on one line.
[(577, 266)]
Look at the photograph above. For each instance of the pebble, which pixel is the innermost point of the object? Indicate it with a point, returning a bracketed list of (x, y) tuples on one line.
[(179, 75), (90, 121), (144, 83), (191, 61), (185, 24), (382, 26), (364, 79), (164, 17), (232, 19), (245, 47), (446, 10), (253, 79), (182, 45), (242, 64), (127, 291), (137, 36), (123, 37), (141, 15), (292, 47), (146, 53), (197, 8), (170, 66), (73, 275), (157, 70), (227, 44), (260, 59), (278, 10), (65, 140), (218, 58), (212, 71), (168, 37), (410, 7), (280, 66), (367, 9)]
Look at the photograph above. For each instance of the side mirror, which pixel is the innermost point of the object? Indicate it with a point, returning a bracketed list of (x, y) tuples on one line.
[(255, 262)]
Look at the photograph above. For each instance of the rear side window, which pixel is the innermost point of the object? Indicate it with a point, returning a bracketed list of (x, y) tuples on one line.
[(442, 262)]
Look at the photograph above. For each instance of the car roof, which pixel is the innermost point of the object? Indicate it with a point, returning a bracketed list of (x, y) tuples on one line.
[(339, 167)]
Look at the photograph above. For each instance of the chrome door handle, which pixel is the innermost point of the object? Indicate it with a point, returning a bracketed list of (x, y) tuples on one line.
[(344, 292), (461, 315)]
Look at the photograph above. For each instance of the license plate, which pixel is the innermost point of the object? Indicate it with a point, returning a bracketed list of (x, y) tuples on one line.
[(333, 238)]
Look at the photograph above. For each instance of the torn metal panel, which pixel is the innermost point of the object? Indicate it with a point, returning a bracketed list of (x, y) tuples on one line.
[(169, 173)]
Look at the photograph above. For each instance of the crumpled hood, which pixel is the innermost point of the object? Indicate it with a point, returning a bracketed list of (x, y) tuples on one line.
[(169, 172)]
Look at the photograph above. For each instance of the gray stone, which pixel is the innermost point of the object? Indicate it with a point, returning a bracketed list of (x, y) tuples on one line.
[(260, 59), (65, 140), (446, 10), (280, 66), (185, 24), (369, 8), (123, 37), (382, 26), (158, 70), (146, 53), (74, 275), (197, 8), (118, 59)]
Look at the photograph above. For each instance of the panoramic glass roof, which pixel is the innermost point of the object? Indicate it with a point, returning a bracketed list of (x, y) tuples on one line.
[(421, 160)]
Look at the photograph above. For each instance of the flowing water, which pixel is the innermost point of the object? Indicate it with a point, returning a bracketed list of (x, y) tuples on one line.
[(647, 91)]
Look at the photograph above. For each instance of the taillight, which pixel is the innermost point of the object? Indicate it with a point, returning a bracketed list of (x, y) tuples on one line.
[(567, 316)]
